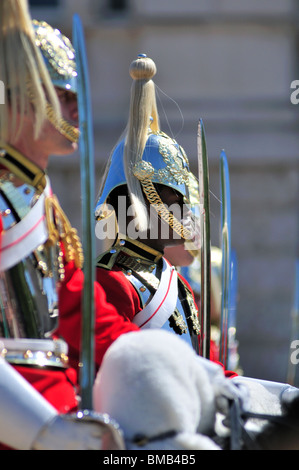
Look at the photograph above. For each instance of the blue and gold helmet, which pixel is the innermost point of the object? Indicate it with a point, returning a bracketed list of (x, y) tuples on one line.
[(163, 161), (146, 156), (58, 54), (59, 57)]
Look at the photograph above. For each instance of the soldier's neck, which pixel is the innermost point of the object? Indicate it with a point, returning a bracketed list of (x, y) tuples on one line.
[(154, 244), (33, 153)]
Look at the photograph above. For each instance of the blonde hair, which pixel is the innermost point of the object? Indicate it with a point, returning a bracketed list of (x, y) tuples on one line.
[(142, 115), (23, 71)]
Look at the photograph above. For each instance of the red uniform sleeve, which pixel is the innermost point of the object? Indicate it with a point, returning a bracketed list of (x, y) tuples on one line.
[(116, 303)]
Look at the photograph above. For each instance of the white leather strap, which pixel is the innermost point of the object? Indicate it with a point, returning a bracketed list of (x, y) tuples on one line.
[(24, 237), (163, 303)]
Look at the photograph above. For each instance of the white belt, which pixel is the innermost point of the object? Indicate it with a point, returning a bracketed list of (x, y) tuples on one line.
[(23, 238), (163, 303)]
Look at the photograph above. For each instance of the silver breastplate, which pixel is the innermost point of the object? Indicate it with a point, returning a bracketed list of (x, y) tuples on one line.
[(184, 320), (28, 289)]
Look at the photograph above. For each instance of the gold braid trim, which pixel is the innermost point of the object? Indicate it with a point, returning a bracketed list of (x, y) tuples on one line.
[(155, 200), (60, 124), (66, 129), (60, 229)]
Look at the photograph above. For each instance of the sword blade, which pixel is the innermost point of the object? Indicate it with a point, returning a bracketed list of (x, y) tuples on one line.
[(232, 348), (205, 253), (226, 257), (292, 371), (88, 198), (293, 366)]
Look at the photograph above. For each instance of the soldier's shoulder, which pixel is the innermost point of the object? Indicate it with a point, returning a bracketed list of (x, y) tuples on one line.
[(107, 259)]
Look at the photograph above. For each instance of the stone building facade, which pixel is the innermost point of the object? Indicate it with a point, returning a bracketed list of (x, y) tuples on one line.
[(230, 63)]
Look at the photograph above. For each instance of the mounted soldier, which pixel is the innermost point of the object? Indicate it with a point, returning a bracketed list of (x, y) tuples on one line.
[(149, 187), (151, 170), (38, 244)]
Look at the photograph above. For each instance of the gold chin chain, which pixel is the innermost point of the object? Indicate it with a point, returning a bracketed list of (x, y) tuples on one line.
[(60, 229), (66, 129), (155, 200)]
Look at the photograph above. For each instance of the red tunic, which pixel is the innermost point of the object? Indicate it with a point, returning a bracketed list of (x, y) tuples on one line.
[(116, 303), (57, 386)]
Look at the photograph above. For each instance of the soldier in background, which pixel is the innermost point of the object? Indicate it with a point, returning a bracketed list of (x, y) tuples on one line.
[(148, 185), (131, 271)]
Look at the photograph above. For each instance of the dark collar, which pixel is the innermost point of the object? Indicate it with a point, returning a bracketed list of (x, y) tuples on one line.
[(135, 247), (22, 167)]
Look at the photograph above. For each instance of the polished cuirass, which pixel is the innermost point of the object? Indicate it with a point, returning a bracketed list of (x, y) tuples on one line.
[(28, 281), (36, 242)]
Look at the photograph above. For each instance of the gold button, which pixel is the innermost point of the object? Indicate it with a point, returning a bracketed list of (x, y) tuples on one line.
[(28, 354)]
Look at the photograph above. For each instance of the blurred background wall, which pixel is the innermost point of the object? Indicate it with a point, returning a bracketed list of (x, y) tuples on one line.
[(230, 63)]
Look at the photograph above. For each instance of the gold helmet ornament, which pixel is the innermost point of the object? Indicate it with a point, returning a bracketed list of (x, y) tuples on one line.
[(147, 157)]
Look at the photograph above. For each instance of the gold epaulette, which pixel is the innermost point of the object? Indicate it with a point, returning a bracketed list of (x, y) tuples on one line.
[(60, 230)]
